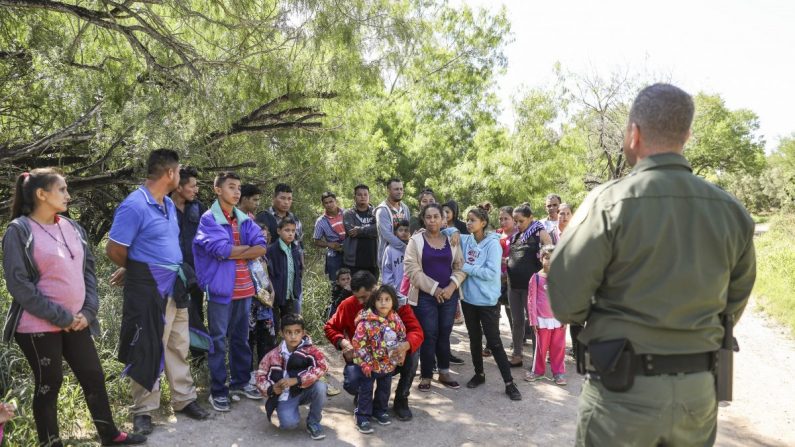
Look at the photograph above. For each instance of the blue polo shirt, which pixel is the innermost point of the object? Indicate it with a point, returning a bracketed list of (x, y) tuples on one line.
[(149, 231)]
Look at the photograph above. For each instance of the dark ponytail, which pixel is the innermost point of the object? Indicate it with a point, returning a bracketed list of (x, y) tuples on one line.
[(26, 186), (481, 212), (524, 209)]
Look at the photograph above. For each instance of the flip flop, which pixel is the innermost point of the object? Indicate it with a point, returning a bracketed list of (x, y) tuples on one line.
[(424, 387), (451, 384)]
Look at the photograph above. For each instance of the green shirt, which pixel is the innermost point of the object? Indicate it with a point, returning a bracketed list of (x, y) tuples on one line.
[(287, 249), (655, 257)]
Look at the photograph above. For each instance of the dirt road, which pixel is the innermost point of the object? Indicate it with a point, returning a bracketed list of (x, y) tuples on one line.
[(763, 413)]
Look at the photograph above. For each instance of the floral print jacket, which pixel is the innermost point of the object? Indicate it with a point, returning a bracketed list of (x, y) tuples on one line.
[(375, 338)]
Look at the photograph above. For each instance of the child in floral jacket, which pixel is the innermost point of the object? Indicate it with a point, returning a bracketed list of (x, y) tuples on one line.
[(379, 330)]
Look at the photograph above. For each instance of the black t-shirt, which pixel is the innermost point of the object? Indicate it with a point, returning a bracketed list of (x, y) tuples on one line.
[(366, 248)]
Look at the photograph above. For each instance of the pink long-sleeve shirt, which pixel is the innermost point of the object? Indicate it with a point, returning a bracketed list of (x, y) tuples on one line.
[(537, 299)]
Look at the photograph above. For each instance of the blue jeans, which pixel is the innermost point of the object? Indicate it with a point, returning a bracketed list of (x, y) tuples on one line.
[(314, 396), (333, 263), (351, 376), (369, 405), (229, 322), (437, 324)]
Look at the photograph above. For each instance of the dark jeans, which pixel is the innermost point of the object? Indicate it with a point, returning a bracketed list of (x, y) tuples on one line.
[(407, 371), (260, 341), (332, 265), (352, 374), (374, 270), (44, 352), (229, 324), (437, 324), (574, 331), (485, 320), (518, 300), (370, 405)]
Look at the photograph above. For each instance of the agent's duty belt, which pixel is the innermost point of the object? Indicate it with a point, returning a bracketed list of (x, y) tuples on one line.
[(656, 364)]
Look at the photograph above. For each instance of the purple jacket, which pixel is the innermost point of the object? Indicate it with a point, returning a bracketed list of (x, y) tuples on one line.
[(212, 247)]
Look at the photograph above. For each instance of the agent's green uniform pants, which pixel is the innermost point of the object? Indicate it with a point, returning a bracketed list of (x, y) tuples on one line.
[(667, 410)]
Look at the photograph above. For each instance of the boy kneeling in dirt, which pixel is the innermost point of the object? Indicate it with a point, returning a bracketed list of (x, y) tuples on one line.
[(288, 376)]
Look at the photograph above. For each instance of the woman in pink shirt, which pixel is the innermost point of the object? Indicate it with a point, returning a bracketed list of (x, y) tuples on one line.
[(49, 272)]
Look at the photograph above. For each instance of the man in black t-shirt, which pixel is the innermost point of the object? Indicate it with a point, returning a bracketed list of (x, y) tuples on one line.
[(361, 244)]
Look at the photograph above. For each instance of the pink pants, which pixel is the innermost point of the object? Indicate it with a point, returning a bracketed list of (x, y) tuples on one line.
[(554, 342)]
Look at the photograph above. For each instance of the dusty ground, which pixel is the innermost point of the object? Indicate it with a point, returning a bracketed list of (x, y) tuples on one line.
[(762, 414)]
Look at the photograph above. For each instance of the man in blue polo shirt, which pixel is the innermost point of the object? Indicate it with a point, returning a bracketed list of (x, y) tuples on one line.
[(144, 242)]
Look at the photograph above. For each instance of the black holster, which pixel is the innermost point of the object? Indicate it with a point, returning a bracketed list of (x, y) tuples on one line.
[(614, 362)]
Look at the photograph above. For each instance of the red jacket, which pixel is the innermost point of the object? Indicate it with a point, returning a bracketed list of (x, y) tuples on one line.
[(343, 324)]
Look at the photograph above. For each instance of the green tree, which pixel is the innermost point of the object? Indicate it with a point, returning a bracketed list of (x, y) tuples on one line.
[(724, 141)]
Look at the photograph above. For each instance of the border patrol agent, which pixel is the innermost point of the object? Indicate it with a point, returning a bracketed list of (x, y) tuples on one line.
[(651, 263)]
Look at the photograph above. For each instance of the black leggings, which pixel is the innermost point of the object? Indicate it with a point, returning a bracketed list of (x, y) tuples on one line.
[(485, 320), (44, 352)]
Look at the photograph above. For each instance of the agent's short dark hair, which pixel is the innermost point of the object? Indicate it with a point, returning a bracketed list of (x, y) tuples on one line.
[(361, 186), (523, 209), (326, 195), (663, 113), (222, 177), (282, 187), (362, 279), (249, 190), (392, 180), (185, 174), (286, 221), (343, 271), (389, 290), (160, 161), (292, 319)]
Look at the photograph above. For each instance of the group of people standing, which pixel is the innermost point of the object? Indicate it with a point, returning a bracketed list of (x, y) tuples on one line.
[(653, 331), (190, 285)]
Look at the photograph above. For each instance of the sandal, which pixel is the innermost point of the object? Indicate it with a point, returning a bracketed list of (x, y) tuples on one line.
[(424, 386), (452, 384)]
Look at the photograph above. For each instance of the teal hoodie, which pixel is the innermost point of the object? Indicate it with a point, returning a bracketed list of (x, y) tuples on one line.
[(482, 262)]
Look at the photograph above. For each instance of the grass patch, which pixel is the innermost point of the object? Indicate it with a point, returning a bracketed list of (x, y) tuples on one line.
[(775, 280), (77, 428)]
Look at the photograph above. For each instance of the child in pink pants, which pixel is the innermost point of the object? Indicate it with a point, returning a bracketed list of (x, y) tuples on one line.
[(550, 333)]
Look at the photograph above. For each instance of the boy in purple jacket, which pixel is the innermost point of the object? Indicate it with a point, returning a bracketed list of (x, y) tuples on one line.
[(225, 241)]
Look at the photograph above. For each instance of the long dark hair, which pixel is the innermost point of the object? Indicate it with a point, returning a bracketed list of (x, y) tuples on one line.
[(389, 290), (25, 189)]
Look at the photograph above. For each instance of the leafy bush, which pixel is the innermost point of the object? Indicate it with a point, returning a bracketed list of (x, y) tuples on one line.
[(16, 378), (775, 281)]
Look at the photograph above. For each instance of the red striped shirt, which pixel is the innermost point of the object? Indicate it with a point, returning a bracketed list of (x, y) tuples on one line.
[(244, 286)]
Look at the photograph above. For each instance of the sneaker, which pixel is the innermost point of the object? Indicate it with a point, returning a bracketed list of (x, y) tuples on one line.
[(476, 381), (560, 380), (513, 392), (456, 360), (249, 391), (383, 419), (219, 403), (364, 427), (331, 390), (531, 376), (315, 431)]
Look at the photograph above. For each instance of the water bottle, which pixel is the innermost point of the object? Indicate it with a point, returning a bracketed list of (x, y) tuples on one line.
[(390, 337)]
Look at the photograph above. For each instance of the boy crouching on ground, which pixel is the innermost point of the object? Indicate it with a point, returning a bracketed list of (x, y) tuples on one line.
[(288, 376)]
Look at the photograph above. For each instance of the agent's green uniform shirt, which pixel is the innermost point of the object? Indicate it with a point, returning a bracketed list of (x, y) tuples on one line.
[(655, 257)]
